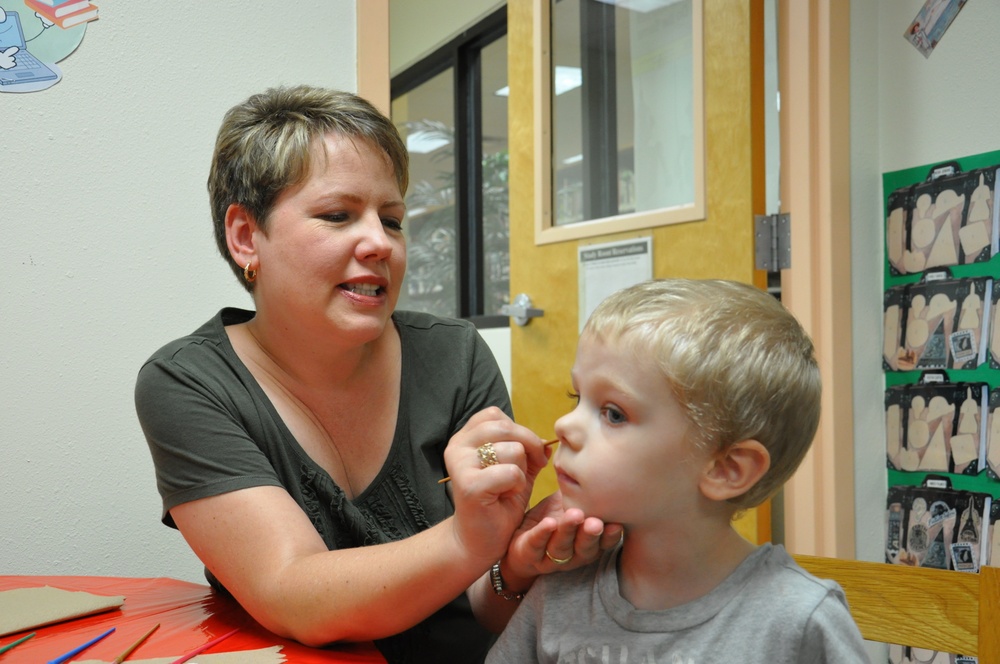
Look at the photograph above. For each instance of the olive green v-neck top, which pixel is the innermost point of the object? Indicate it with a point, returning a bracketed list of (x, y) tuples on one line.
[(211, 430)]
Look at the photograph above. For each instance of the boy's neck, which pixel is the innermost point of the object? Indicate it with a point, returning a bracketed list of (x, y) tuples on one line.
[(663, 570)]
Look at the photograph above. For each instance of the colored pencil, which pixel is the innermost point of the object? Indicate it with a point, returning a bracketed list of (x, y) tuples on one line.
[(62, 658), (14, 643), (545, 444), (201, 649), (121, 658)]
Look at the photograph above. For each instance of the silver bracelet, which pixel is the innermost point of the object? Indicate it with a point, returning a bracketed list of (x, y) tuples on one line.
[(497, 582)]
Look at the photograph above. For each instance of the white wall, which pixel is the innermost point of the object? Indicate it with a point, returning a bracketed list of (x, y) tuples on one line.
[(870, 476), (944, 106), (905, 111), (870, 479), (106, 253)]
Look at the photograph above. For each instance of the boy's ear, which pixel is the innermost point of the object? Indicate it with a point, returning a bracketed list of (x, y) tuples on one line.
[(735, 470), (240, 230)]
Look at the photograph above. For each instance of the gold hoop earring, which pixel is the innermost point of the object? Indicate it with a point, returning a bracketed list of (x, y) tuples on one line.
[(249, 275)]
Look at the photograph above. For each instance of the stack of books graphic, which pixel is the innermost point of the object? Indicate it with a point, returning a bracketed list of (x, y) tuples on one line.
[(64, 13)]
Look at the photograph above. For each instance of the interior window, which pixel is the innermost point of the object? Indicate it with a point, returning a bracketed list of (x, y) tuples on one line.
[(451, 109), (621, 70)]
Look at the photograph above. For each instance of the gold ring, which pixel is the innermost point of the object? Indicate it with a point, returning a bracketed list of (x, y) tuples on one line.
[(558, 561), (487, 455)]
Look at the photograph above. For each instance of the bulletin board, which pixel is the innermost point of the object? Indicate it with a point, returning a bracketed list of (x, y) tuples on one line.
[(941, 325)]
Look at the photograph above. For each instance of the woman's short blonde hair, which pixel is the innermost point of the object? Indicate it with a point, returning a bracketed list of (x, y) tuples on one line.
[(265, 146), (737, 361)]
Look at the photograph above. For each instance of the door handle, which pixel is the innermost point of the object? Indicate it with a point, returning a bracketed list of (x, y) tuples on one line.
[(521, 310)]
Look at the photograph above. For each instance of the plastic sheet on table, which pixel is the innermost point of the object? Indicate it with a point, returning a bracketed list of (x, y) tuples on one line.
[(189, 616)]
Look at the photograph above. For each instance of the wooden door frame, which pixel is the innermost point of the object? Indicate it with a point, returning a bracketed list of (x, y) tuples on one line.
[(372, 35), (814, 79)]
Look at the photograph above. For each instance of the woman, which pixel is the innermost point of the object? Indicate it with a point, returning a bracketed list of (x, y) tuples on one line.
[(287, 438)]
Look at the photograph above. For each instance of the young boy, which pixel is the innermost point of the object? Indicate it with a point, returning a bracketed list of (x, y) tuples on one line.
[(694, 400)]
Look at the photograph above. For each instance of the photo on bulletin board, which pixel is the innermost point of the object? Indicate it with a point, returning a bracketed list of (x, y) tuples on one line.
[(37, 34), (940, 322)]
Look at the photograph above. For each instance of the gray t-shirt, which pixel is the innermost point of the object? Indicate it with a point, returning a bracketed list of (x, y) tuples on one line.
[(211, 430), (768, 611)]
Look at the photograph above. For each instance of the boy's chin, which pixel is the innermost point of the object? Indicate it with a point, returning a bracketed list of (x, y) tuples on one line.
[(572, 502)]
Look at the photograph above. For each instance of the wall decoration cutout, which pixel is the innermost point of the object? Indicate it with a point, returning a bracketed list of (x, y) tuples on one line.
[(941, 298), (35, 35), (930, 24)]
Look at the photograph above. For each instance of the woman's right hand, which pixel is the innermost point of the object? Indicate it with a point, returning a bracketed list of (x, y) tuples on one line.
[(490, 501)]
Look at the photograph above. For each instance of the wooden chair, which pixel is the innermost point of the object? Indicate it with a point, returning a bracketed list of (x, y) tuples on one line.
[(941, 610)]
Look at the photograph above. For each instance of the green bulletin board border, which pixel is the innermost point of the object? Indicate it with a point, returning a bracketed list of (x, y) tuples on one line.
[(891, 181)]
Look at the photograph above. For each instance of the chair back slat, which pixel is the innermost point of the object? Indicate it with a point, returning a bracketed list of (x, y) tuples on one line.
[(935, 609)]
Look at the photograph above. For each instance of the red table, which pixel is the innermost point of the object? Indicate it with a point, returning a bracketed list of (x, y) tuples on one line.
[(189, 615)]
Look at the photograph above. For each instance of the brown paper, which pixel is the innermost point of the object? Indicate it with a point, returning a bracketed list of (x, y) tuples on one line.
[(26, 608), (270, 655)]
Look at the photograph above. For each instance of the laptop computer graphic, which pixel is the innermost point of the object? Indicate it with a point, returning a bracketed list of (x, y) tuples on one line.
[(27, 68)]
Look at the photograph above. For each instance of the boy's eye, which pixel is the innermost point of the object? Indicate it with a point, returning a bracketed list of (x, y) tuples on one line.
[(394, 224), (573, 395), (614, 415)]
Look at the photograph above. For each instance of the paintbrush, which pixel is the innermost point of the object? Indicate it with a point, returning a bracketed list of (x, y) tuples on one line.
[(547, 443), (14, 643), (76, 651), (122, 657), (201, 649)]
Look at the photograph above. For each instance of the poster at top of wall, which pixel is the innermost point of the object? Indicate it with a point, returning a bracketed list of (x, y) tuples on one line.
[(34, 36), (930, 24)]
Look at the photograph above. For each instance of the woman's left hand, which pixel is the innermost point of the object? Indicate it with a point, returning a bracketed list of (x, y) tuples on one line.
[(554, 539)]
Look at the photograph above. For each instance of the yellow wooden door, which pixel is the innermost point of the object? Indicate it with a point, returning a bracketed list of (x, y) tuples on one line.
[(720, 246)]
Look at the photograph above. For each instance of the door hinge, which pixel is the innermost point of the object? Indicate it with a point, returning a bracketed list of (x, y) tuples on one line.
[(773, 242)]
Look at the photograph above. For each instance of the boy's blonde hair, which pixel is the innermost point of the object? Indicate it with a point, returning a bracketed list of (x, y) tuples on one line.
[(738, 362)]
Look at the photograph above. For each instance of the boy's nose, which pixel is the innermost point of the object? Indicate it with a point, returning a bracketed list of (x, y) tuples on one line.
[(564, 430)]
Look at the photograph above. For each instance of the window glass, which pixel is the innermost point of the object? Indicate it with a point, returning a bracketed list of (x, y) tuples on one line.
[(496, 210), (425, 118), (622, 107), (452, 108)]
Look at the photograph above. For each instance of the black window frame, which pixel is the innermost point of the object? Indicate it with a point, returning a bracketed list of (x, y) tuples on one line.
[(463, 55)]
